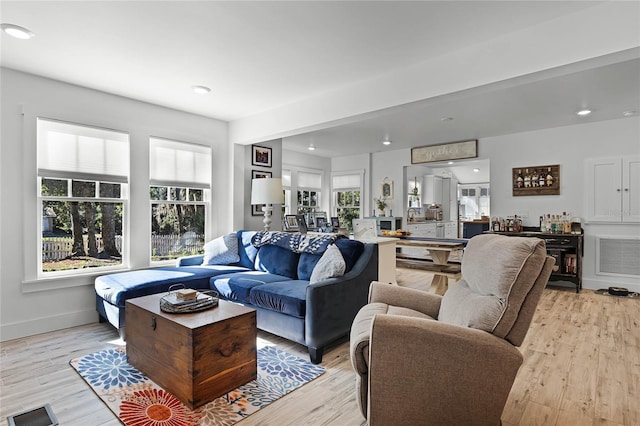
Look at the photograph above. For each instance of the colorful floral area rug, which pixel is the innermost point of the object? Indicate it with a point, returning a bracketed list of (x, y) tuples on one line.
[(137, 400)]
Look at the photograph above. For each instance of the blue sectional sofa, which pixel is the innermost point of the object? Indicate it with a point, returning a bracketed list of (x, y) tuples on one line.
[(272, 272)]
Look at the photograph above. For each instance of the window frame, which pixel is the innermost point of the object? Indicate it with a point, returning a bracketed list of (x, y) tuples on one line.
[(198, 154), (45, 124)]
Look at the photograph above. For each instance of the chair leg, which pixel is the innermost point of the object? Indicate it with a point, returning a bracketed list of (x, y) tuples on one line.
[(315, 354)]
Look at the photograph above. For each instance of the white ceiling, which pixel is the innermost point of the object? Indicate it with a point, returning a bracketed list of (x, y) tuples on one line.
[(258, 57)]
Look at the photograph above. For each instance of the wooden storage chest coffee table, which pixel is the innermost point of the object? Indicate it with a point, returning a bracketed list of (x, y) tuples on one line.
[(197, 356)]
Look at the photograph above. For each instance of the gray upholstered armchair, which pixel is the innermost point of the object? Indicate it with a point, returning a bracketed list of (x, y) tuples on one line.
[(421, 358)]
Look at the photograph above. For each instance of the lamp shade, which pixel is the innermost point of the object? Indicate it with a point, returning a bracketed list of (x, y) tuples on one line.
[(266, 191)]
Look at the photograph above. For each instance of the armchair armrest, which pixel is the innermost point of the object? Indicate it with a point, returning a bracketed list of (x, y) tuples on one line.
[(418, 300), (194, 260), (464, 368)]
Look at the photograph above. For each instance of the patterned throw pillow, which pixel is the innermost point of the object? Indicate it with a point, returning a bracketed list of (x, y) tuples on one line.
[(221, 251), (330, 265)]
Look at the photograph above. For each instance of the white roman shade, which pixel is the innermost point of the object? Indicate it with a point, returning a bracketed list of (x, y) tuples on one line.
[(72, 151), (346, 182), (309, 180), (181, 164)]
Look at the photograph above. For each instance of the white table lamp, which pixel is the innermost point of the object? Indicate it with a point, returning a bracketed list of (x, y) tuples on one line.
[(267, 191)]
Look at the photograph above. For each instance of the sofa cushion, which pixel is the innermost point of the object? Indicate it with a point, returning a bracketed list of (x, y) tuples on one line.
[(306, 264), (288, 297), (331, 265), (350, 250), (222, 250), (488, 297), (277, 260), (246, 250), (238, 286), (116, 288)]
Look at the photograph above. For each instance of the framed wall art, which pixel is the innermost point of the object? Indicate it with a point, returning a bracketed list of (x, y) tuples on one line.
[(261, 156), (536, 180), (259, 174), (290, 222)]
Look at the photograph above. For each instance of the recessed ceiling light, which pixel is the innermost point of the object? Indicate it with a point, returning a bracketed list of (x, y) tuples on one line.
[(386, 142), (450, 162), (312, 147), (476, 170), (200, 90), (583, 112), (630, 113), (17, 31)]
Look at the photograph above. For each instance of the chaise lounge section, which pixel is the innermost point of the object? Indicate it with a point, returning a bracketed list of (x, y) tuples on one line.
[(307, 289)]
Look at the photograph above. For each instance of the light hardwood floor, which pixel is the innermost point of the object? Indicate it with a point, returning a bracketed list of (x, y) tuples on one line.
[(582, 367)]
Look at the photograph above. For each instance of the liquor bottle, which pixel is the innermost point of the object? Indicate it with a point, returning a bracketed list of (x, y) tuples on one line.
[(534, 178), (527, 179), (543, 224), (520, 179), (542, 179), (549, 177)]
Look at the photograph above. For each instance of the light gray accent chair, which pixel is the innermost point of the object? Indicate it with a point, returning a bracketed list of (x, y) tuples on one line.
[(424, 359)]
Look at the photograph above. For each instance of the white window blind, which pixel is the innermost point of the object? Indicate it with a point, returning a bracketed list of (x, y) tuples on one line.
[(345, 182), (72, 151), (181, 164), (309, 180)]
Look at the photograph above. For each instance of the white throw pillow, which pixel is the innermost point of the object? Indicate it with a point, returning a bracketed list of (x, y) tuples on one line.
[(330, 265), (221, 251)]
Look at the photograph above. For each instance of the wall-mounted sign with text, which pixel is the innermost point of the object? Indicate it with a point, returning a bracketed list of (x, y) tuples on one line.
[(444, 152)]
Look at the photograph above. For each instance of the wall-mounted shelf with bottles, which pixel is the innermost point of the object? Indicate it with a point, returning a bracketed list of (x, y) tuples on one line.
[(536, 180)]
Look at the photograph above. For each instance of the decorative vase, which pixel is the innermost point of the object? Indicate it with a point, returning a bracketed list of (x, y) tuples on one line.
[(382, 213)]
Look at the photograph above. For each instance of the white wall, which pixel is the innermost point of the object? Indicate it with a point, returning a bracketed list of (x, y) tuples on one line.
[(569, 147), (249, 220), (28, 305)]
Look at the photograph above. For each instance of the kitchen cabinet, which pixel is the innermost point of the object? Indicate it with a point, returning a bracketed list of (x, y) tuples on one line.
[(451, 229), (437, 190), (426, 230), (613, 189)]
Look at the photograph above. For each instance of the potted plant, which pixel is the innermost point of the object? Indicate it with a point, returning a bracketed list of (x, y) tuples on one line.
[(381, 202)]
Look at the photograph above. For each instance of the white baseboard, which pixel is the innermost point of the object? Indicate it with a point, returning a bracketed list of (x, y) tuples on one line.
[(35, 326), (596, 284)]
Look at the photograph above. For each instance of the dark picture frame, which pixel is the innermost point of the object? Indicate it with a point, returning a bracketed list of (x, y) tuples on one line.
[(261, 155), (259, 174), (290, 222), (335, 222), (523, 183), (302, 223)]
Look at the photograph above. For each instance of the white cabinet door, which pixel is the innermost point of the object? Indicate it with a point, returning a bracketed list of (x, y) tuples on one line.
[(613, 189), (426, 230), (604, 181), (631, 189), (451, 230)]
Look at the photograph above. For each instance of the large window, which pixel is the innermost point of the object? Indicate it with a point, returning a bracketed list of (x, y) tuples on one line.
[(309, 191), (180, 176), (347, 190), (475, 200), (82, 196)]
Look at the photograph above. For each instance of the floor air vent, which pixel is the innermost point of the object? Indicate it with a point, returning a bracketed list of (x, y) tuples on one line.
[(41, 416), (618, 256)]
